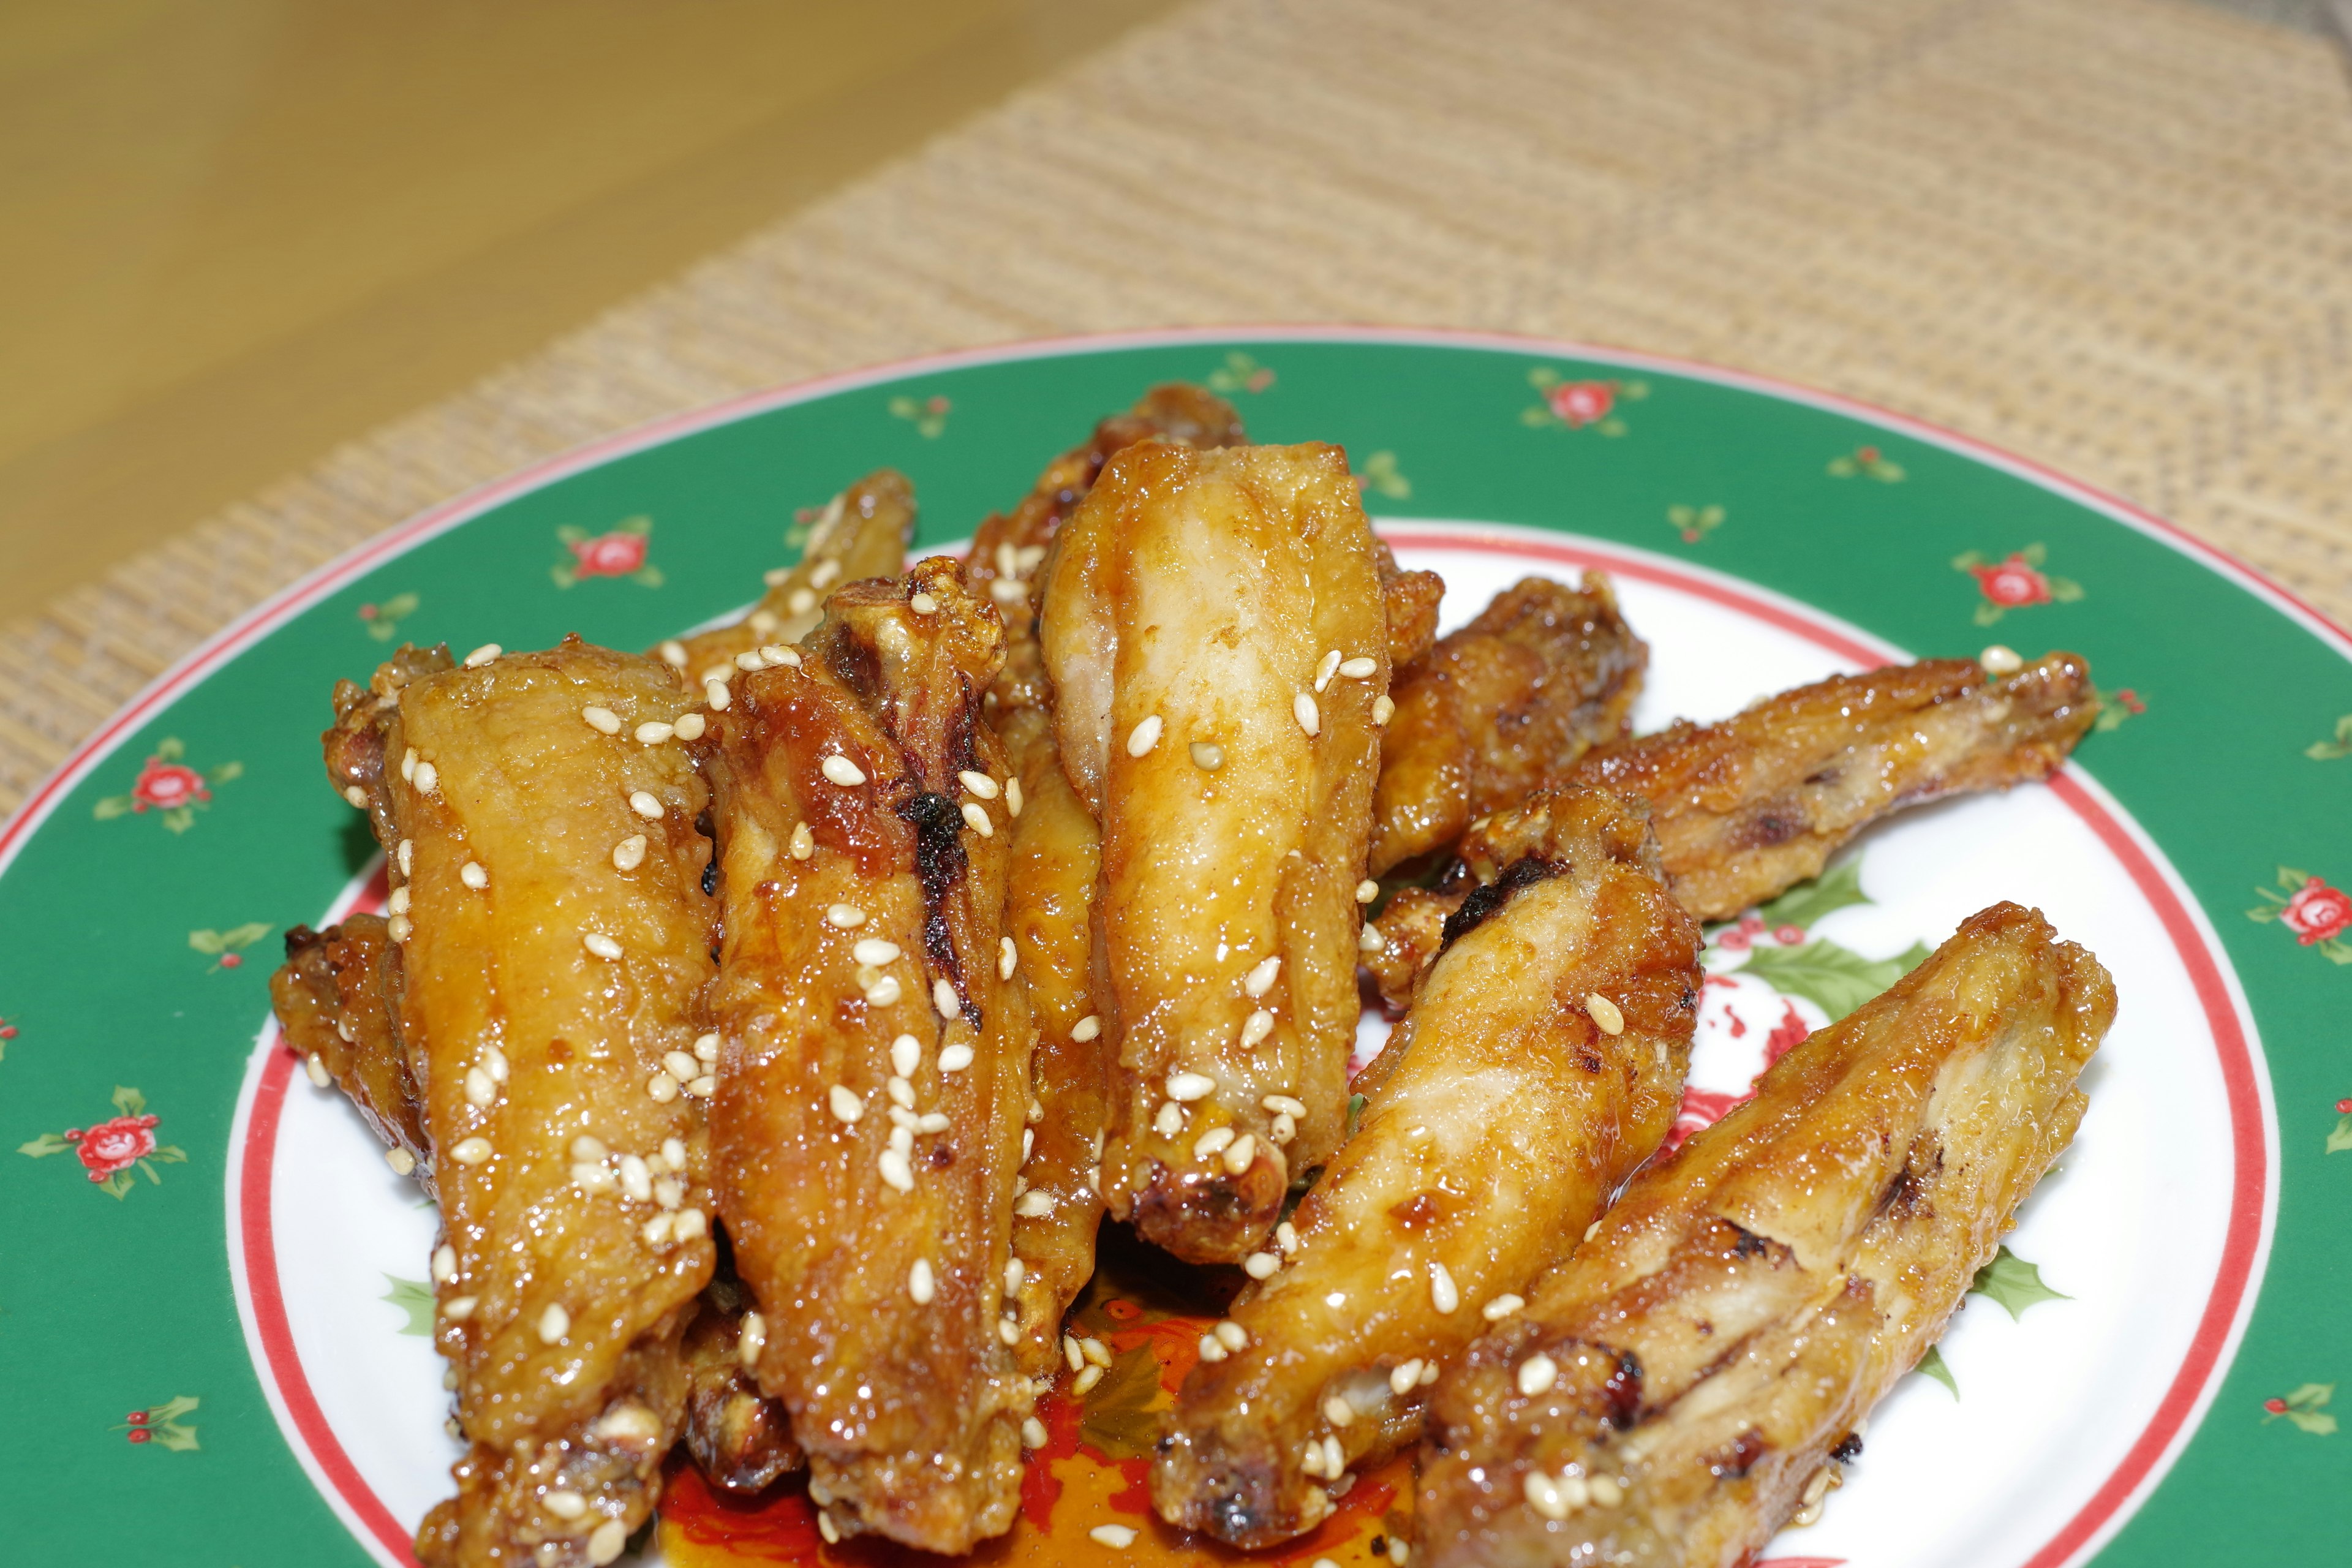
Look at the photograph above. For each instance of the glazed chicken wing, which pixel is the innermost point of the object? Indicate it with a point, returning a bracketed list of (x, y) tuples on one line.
[(1056, 859), (739, 1439), (1747, 808), (553, 945), (1673, 1392), (862, 532), (1541, 1062), (331, 998), (875, 1063), (1214, 629), (1543, 674)]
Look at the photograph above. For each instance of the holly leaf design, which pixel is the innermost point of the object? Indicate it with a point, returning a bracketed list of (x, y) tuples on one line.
[(413, 1297), (2337, 1141), (2305, 1407), (130, 1101), (2014, 1283), (1802, 905), (47, 1144), (171, 748), (116, 1186), (1122, 1418), (1932, 1364), (1833, 978), (2329, 751), (112, 806), (2292, 879), (173, 1408)]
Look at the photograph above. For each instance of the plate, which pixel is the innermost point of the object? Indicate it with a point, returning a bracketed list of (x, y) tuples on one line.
[(209, 1297)]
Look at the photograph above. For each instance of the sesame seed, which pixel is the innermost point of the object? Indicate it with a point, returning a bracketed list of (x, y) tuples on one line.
[(750, 1338), (848, 917), (1210, 1349), (1605, 1490), (1604, 1014), (801, 601), (920, 1284), (751, 661), (847, 1107), (317, 1069), (1210, 1141), (1028, 1141), (591, 1179), (1284, 1128), (457, 1308), (1008, 590), (600, 944), (1261, 977), (673, 653), (689, 726), (896, 1172), (356, 795), (1383, 709), (1097, 1352), (399, 927), (1286, 1236), (673, 1153), (689, 1224), (2001, 660), (471, 1151), (1311, 1462), (1402, 1380), (1231, 1335), (605, 1542), (874, 951), (922, 603), (1015, 1271), (1032, 1435), (681, 1066), (661, 1088), (654, 731), (1261, 1265), (715, 694), (975, 816), (1367, 890), (408, 764), (474, 875), (804, 842), (1543, 1495), (1429, 1374), (1337, 1411), (826, 1527), (1502, 1307), (1085, 1382), (480, 1089), (553, 1324), (1207, 755), (1071, 1353), (1086, 1029), (1036, 1110), (979, 784), (1034, 1206), (645, 805), (944, 998), (408, 855), (1008, 1331), (1360, 667), (1310, 718), (827, 572), (842, 771), (398, 902), (586, 1147), (1013, 796), (1256, 1028), (955, 1058), (906, 1054), (1369, 939), (775, 654), (1442, 1292), (1170, 1120), (1282, 1104), (629, 853), (901, 1093), (1538, 1373), (1241, 1153), (401, 1161), (1119, 1537), (1143, 737), (1325, 668), (636, 1178), (1007, 958), (428, 778), (656, 1230), (483, 655), (1190, 1086)]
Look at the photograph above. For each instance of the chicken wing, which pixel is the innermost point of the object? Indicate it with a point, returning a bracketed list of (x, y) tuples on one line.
[(1410, 600), (332, 1000), (1215, 630), (1543, 674), (864, 531), (1673, 1393), (874, 1057), (1541, 1062), (1056, 855), (1747, 808), (741, 1440), (553, 941)]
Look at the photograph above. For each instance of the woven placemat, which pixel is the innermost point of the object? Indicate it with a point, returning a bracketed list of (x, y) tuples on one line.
[(2112, 234)]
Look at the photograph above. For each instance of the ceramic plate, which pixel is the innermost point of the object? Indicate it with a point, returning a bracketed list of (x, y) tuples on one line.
[(211, 1313)]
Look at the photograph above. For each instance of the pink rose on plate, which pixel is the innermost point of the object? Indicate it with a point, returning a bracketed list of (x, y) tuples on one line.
[(112, 1145), (1579, 403), (163, 785), (2011, 582), (2316, 912), (615, 554)]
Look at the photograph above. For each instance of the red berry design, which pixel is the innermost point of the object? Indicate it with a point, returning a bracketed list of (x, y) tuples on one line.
[(2344, 1106), (137, 1418), (139, 1434), (1788, 936), (2275, 1405), (231, 960)]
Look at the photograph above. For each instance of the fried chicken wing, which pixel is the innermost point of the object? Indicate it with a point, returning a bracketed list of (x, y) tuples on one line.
[(1747, 808), (1542, 1061), (741, 1440), (875, 1063), (864, 531), (1057, 857), (1674, 1391), (553, 942), (1411, 600), (1543, 674), (333, 1001), (1216, 637)]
